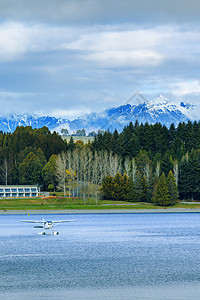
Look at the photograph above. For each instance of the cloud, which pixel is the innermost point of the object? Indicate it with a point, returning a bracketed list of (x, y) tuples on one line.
[(126, 58), (87, 64), (108, 46), (17, 39), (101, 11), (13, 95), (114, 48), (185, 88), (134, 47), (104, 45)]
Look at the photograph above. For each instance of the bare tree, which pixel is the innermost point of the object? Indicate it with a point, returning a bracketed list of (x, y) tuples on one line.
[(76, 167), (134, 169), (147, 171), (106, 163), (102, 167), (176, 171), (69, 170), (89, 169), (74, 173), (84, 166), (115, 164), (127, 166), (95, 175), (157, 169), (61, 164)]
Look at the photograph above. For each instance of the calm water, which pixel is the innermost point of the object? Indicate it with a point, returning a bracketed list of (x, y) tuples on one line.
[(102, 256)]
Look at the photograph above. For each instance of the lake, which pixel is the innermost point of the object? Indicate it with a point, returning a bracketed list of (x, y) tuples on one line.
[(102, 256)]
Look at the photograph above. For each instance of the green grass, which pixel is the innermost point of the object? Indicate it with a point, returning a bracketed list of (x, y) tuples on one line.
[(70, 203)]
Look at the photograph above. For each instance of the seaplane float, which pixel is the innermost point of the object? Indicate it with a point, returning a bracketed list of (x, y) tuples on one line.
[(47, 226)]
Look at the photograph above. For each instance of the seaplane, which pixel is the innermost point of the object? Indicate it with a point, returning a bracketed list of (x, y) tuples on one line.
[(47, 226)]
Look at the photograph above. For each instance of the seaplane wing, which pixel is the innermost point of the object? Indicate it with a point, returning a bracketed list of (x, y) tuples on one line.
[(31, 221), (61, 221)]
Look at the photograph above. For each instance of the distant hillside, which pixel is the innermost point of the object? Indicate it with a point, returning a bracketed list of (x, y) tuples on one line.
[(85, 139)]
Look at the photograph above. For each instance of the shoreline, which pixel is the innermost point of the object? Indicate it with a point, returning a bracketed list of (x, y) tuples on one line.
[(95, 211)]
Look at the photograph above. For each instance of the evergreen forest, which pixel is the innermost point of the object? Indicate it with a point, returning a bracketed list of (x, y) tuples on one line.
[(147, 163)]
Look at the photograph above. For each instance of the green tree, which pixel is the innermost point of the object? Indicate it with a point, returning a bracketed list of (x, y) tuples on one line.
[(30, 170), (189, 181), (14, 175), (49, 172), (161, 196), (71, 144), (167, 162), (41, 157), (64, 131), (107, 188), (119, 186), (172, 188), (144, 190), (79, 132), (131, 195)]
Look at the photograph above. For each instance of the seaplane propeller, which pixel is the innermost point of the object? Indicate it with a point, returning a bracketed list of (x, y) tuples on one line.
[(48, 226)]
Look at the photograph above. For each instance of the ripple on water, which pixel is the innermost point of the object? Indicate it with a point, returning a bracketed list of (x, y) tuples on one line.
[(122, 254)]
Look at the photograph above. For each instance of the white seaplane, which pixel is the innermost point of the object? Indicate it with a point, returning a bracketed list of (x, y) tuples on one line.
[(48, 226)]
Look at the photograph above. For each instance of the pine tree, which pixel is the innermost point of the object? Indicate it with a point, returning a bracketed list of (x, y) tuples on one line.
[(30, 170), (130, 195), (119, 187), (71, 144), (161, 196), (107, 189), (144, 190), (172, 188), (49, 172)]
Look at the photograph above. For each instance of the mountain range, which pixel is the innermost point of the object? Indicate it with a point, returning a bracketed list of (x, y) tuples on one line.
[(160, 110)]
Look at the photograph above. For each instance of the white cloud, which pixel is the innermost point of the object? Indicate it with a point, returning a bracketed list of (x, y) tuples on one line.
[(185, 88), (13, 95), (105, 46), (110, 46), (88, 64), (17, 39), (69, 113), (120, 48), (126, 58), (115, 47)]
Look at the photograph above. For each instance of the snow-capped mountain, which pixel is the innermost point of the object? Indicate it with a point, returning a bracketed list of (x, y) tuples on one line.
[(160, 110), (10, 123)]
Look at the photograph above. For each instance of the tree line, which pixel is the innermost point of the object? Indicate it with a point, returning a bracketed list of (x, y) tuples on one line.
[(142, 152), (122, 187), (158, 149)]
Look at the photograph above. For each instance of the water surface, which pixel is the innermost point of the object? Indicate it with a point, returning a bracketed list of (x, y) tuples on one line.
[(102, 256)]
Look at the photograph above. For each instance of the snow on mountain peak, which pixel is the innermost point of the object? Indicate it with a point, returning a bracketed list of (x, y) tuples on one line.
[(161, 103), (187, 105), (160, 100), (160, 109), (190, 110)]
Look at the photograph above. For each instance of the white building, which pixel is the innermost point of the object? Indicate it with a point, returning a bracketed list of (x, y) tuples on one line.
[(18, 191)]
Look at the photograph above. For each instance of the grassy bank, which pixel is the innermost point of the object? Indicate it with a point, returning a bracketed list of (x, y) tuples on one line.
[(89, 204)]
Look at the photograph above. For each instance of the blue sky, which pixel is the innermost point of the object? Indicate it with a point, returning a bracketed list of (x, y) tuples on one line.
[(71, 57)]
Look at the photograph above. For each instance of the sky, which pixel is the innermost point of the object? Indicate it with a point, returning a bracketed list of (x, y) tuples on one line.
[(66, 58)]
